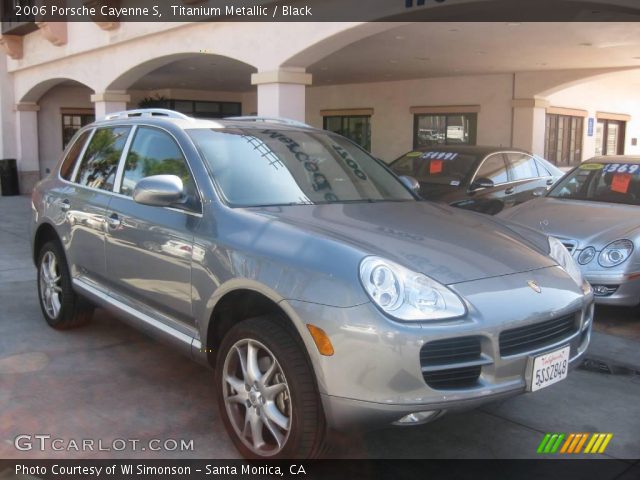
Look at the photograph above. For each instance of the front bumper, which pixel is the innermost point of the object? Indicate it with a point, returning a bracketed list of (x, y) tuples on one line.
[(627, 290), (376, 377)]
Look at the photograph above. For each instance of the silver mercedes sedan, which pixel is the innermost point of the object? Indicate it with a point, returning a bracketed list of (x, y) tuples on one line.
[(323, 292), (595, 212)]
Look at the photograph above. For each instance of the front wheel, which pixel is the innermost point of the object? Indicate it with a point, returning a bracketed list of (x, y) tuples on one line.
[(267, 397)]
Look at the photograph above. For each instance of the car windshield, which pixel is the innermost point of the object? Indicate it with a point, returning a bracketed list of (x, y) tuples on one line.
[(442, 168), (268, 167), (601, 182)]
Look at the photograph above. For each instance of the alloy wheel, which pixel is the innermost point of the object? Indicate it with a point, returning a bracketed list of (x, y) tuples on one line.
[(50, 285), (257, 397)]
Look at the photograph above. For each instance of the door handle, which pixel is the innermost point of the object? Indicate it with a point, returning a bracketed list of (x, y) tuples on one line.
[(550, 181), (65, 205), (509, 190), (114, 221)]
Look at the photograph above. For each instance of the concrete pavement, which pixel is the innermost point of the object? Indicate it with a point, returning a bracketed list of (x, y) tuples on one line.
[(107, 381)]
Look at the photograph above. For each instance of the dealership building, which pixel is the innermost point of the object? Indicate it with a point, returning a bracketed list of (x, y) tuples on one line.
[(565, 90)]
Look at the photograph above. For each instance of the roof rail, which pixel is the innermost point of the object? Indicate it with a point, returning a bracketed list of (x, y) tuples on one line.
[(284, 121), (147, 112)]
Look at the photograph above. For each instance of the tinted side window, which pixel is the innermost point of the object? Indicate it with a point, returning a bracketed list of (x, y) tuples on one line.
[(154, 152), (522, 166), (66, 169), (98, 168), (494, 169)]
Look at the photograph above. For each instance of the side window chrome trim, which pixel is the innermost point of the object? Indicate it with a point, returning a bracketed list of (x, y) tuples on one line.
[(123, 159), (76, 167), (93, 129)]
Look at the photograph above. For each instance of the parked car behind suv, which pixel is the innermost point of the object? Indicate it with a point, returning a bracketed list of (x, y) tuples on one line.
[(595, 212), (484, 179), (322, 291)]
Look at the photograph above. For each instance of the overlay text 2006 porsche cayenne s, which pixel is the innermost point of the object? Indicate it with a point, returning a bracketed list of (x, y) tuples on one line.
[(318, 286)]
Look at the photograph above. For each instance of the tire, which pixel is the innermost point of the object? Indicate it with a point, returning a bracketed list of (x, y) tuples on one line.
[(294, 413), (61, 306)]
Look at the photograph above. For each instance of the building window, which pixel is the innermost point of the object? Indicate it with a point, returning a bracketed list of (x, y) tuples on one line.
[(356, 128), (204, 109), (444, 129), (610, 137), (563, 139), (71, 123)]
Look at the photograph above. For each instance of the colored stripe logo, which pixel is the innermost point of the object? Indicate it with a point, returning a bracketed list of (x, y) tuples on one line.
[(574, 443)]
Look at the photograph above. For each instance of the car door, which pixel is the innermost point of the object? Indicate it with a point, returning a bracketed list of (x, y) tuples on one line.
[(524, 171), (490, 199), (85, 200), (149, 248)]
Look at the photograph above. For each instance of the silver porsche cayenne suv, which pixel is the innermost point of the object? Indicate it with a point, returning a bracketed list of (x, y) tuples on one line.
[(322, 291)]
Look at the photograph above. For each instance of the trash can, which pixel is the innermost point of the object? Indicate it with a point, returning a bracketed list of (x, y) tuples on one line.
[(9, 177)]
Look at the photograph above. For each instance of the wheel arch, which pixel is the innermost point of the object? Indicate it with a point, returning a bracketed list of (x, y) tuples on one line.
[(243, 301), (44, 233)]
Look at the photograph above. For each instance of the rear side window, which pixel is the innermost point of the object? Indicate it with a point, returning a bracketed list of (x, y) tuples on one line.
[(523, 166), (154, 152), (69, 162), (100, 162)]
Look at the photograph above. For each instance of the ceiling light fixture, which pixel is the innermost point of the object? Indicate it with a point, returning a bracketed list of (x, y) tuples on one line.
[(399, 37)]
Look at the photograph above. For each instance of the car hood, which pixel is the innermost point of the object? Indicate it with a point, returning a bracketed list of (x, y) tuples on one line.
[(588, 223), (447, 244)]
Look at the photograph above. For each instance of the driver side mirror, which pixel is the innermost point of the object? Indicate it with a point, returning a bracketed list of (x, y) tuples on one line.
[(159, 191), (482, 182), (411, 183)]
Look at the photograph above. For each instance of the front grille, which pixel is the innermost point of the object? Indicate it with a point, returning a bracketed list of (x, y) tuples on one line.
[(532, 337), (452, 378), (452, 362)]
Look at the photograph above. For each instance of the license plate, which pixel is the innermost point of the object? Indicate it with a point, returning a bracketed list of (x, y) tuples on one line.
[(549, 368)]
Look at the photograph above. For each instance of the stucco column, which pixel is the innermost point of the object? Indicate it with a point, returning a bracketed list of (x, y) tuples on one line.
[(27, 145), (110, 102), (529, 123), (281, 93), (7, 114)]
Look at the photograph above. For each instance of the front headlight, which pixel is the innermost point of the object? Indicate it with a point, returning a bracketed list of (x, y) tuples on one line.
[(407, 295), (615, 253), (586, 255), (560, 254)]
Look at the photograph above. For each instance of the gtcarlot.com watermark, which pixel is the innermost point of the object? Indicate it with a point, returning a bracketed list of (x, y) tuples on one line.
[(43, 442)]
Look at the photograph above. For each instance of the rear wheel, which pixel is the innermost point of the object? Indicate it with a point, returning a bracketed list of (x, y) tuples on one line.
[(61, 306), (266, 393)]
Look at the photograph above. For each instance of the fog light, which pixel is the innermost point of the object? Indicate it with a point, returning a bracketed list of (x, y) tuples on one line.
[(416, 418), (604, 290)]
